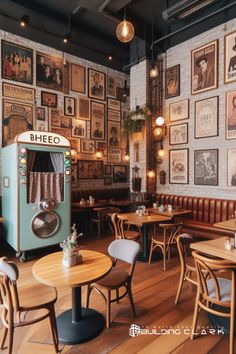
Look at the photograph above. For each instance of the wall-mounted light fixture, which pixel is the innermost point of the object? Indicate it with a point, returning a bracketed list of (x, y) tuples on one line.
[(125, 30), (24, 21), (98, 154), (154, 71), (67, 36), (159, 133)]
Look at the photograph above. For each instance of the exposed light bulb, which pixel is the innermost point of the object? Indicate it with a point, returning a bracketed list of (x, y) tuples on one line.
[(161, 153), (151, 174), (125, 31), (98, 154), (160, 121), (154, 72), (126, 158)]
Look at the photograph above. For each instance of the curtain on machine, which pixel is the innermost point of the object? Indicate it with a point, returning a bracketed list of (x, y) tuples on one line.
[(45, 185)]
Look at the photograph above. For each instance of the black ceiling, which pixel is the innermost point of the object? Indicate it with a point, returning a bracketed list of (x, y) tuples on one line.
[(93, 24)]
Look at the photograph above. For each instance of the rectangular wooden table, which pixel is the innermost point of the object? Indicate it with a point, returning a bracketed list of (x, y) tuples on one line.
[(215, 248), (171, 214), (227, 225)]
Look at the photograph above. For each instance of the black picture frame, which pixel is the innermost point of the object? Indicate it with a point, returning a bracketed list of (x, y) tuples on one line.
[(172, 81), (120, 174), (206, 167)]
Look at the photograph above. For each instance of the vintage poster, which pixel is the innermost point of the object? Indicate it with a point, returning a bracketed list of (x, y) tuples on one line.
[(112, 84), (113, 104), (89, 169), (179, 110), (88, 146), (178, 166), (113, 115), (230, 57), (230, 115), (78, 128), (119, 173), (179, 134), (206, 167), (69, 106), (48, 99), (77, 78), (18, 92), (172, 81), (49, 72), (232, 167), (83, 108), (97, 130), (206, 117), (96, 84), (114, 155), (113, 134)]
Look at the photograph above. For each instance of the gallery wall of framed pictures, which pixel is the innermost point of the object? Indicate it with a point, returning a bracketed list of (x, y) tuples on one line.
[(77, 99)]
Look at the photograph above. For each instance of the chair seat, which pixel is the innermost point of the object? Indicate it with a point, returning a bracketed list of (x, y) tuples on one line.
[(45, 295), (114, 279), (131, 234), (225, 289)]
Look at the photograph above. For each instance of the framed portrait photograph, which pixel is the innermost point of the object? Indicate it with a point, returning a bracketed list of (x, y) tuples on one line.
[(41, 125), (112, 84), (75, 144), (97, 128), (69, 106), (107, 170), (113, 134), (87, 146), (66, 122), (74, 175), (178, 166), (114, 156), (230, 115), (102, 146), (113, 104), (40, 113), (172, 81), (232, 167), (90, 169), (83, 108), (179, 110), (96, 84), (18, 92), (206, 117), (119, 174), (113, 115), (77, 78), (107, 181), (55, 117), (230, 57), (48, 99), (204, 72), (49, 72), (78, 128), (206, 167), (17, 62), (179, 134)]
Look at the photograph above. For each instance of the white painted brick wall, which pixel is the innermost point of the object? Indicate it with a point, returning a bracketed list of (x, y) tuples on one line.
[(181, 54)]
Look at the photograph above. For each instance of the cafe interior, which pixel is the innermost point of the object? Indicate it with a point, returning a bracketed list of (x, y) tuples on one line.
[(118, 231)]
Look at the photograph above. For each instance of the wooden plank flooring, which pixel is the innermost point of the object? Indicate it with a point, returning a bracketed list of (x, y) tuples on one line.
[(154, 293)]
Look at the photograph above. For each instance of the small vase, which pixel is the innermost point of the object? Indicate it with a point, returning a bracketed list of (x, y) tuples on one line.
[(69, 258)]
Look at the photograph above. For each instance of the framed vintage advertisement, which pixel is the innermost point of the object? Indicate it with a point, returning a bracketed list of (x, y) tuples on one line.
[(77, 78), (17, 117), (113, 115), (48, 99), (113, 134), (49, 72), (204, 70), (230, 115), (112, 84), (102, 146), (107, 170), (179, 134), (178, 166), (74, 176), (40, 113), (78, 128), (206, 167), (97, 128), (18, 92), (113, 104), (172, 81), (230, 57), (119, 174), (206, 117), (56, 115), (75, 144), (83, 108), (17, 62), (96, 84), (87, 146), (232, 167), (69, 106), (114, 156), (90, 169), (107, 180), (179, 110), (41, 121)]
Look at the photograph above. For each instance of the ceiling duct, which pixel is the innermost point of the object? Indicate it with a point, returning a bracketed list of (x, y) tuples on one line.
[(185, 8)]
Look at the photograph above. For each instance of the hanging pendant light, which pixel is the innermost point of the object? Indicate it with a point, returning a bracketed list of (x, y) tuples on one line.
[(125, 30)]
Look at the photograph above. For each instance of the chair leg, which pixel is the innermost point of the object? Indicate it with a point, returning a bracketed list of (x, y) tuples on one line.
[(108, 319), (150, 254), (131, 299), (89, 289), (195, 315), (53, 324), (164, 258), (99, 230), (117, 295), (4, 338), (10, 337), (181, 282)]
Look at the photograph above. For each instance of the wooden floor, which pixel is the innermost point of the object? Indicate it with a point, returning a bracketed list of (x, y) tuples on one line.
[(154, 293)]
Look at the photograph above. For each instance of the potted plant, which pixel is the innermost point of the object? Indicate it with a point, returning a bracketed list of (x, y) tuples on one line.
[(71, 255), (135, 119)]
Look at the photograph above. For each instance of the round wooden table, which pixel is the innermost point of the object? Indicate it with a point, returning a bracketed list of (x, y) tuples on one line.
[(79, 324)]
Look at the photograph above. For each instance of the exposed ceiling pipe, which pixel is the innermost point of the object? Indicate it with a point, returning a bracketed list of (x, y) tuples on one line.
[(194, 23), (102, 7)]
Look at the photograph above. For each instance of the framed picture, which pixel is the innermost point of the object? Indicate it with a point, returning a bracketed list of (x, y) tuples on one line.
[(107, 170), (114, 156), (17, 118), (231, 115), (107, 180), (206, 117), (119, 174), (66, 122), (179, 134), (172, 81), (55, 117), (18, 92), (113, 115), (48, 99), (102, 146), (204, 75), (17, 63), (206, 167), (113, 104), (77, 78), (74, 176), (88, 146), (230, 57), (179, 110), (96, 84), (78, 128), (232, 167), (61, 131), (40, 113), (97, 130), (113, 134), (41, 125), (69, 106), (49, 72), (112, 84), (75, 144), (178, 166), (83, 108), (89, 169)]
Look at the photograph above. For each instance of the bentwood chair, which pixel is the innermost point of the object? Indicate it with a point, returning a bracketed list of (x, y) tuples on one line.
[(17, 305), (165, 241), (99, 219), (215, 294), (120, 223), (126, 251), (188, 269)]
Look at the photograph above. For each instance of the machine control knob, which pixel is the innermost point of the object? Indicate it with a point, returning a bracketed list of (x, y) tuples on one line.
[(23, 161), (23, 172), (47, 204), (23, 150)]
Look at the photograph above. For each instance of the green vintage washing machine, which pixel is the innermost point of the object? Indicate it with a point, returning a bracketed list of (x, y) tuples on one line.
[(36, 191)]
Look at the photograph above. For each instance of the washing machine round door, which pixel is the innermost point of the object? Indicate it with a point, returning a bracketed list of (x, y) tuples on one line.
[(45, 224)]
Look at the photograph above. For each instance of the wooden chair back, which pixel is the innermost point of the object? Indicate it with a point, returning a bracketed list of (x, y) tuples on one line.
[(118, 223), (170, 231), (9, 274), (183, 242)]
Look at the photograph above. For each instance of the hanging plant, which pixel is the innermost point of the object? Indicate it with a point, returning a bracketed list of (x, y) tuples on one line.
[(135, 119)]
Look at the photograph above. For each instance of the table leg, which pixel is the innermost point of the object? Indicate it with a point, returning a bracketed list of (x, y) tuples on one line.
[(79, 324), (144, 255)]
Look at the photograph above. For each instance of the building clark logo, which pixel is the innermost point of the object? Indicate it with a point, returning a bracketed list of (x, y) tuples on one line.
[(135, 330)]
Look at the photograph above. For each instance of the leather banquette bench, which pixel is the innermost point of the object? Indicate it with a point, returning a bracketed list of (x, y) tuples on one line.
[(205, 212), (102, 194)]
